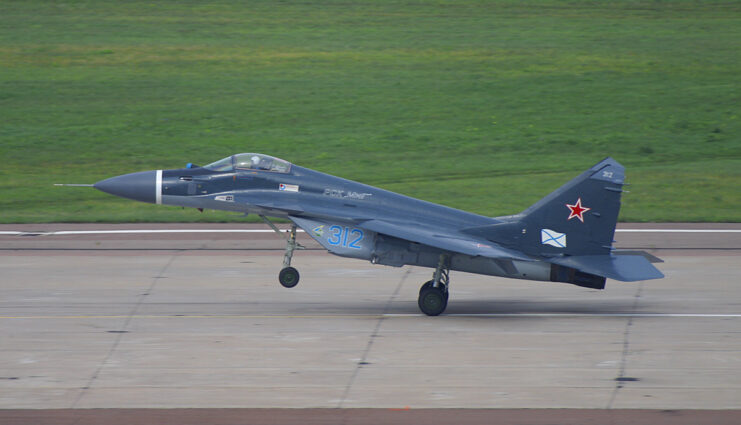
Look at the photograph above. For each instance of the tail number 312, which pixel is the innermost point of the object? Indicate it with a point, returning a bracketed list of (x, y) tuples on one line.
[(345, 237)]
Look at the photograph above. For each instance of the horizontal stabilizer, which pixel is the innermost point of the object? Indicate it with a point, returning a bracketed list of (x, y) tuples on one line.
[(650, 257), (625, 268)]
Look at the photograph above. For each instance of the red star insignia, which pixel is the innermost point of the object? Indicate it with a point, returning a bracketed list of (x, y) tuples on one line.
[(577, 210)]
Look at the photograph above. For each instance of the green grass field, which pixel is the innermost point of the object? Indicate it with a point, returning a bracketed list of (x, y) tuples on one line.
[(481, 105)]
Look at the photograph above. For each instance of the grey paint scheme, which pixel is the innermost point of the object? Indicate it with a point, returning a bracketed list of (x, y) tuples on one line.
[(137, 186), (398, 230)]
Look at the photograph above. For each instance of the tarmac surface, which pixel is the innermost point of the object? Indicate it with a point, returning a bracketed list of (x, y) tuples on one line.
[(124, 323)]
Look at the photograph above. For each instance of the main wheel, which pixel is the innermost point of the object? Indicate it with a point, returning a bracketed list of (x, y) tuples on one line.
[(288, 277), (432, 301)]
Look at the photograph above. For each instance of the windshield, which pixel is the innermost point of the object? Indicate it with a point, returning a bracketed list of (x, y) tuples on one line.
[(221, 165), (256, 161)]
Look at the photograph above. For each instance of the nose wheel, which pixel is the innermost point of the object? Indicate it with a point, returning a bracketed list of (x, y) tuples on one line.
[(288, 276), (433, 295)]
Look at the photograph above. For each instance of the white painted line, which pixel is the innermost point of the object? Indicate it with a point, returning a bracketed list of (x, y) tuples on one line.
[(378, 316), (569, 315), (108, 232), (158, 187), (132, 231), (679, 230)]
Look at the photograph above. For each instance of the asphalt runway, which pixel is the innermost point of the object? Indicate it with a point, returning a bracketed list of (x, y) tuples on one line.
[(123, 323)]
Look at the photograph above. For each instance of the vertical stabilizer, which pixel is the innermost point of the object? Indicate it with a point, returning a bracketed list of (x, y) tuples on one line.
[(579, 218)]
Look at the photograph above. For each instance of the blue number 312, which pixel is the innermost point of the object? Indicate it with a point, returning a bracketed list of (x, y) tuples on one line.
[(345, 237)]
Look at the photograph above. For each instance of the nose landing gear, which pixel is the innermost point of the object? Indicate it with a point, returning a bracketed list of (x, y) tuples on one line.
[(433, 295), (288, 276)]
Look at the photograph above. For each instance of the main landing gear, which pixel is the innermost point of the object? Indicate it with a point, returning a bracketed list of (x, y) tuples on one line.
[(433, 295), (288, 276)]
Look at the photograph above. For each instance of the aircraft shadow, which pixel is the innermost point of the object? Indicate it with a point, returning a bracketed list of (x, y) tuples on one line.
[(528, 307)]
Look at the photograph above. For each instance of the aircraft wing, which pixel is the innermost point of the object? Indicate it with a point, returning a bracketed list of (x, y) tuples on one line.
[(442, 239)]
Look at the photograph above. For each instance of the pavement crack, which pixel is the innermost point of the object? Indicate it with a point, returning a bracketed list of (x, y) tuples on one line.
[(621, 379), (372, 337), (123, 330)]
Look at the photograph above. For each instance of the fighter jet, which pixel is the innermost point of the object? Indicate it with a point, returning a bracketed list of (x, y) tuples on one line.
[(565, 237)]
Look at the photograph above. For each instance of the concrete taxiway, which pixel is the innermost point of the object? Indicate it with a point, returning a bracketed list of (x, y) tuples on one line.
[(198, 319)]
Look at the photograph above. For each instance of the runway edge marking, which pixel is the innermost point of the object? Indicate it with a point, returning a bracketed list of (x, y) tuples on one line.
[(386, 315)]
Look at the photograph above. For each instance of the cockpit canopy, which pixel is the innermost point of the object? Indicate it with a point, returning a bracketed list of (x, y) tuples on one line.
[(250, 161)]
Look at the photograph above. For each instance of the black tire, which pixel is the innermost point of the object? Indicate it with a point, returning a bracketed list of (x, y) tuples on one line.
[(288, 277), (428, 284), (432, 301)]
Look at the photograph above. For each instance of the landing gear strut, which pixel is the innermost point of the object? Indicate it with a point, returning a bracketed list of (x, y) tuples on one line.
[(288, 276), (433, 295)]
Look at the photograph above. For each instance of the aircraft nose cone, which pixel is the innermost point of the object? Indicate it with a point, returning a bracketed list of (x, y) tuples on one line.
[(140, 186)]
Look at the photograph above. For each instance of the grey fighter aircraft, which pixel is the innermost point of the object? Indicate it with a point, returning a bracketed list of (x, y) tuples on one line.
[(565, 237)]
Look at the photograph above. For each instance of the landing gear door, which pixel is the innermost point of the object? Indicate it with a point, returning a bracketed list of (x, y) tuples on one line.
[(344, 239)]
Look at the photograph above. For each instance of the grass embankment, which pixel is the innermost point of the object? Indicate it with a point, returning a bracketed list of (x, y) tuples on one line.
[(484, 106)]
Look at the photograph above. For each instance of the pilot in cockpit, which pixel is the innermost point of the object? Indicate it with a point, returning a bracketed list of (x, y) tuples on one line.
[(260, 163)]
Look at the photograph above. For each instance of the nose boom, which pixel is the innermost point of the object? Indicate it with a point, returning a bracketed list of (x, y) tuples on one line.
[(142, 186)]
